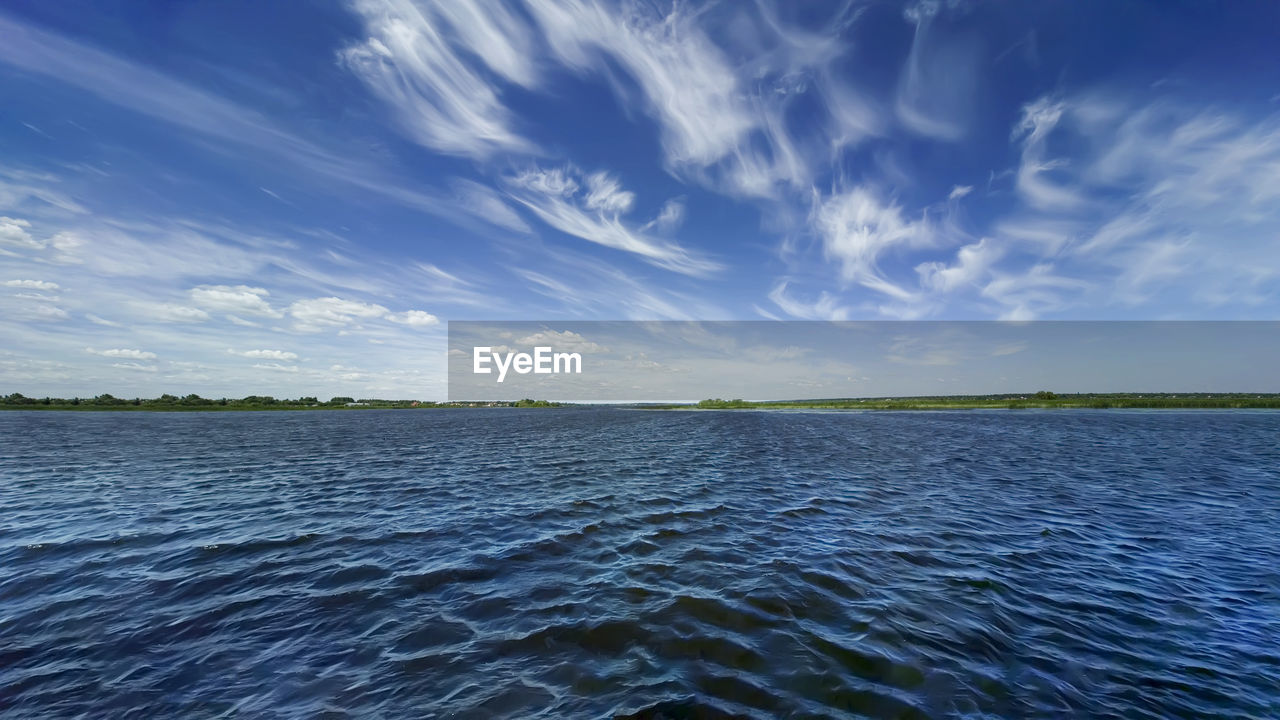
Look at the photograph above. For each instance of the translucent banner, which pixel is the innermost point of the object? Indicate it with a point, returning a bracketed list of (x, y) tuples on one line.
[(637, 362)]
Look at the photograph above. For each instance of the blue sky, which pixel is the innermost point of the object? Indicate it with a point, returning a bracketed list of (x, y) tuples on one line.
[(294, 198)]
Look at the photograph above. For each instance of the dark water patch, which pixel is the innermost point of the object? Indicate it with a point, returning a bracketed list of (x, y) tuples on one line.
[(351, 575), (688, 709)]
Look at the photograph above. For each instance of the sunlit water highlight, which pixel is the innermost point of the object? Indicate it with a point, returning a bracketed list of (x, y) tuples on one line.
[(594, 563)]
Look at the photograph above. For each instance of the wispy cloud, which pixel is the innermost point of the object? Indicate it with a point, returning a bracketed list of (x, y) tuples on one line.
[(277, 367), (163, 97), (31, 284), (685, 80), (1030, 294), (19, 188), (1039, 120), (1166, 191), (858, 226), (14, 233), (137, 367), (283, 355), (936, 89), (416, 59), (96, 320), (669, 218), (582, 286), (123, 353), (825, 307), (318, 313), (592, 210), (152, 93), (443, 68), (971, 266), (240, 299), (414, 318), (483, 202), (170, 312)]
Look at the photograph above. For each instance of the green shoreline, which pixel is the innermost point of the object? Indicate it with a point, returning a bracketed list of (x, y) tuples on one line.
[(1010, 401), (252, 403)]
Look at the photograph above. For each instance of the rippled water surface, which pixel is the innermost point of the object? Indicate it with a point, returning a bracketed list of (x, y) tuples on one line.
[(595, 563)]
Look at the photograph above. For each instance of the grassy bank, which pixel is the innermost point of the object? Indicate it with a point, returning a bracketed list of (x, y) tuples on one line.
[(195, 403), (1012, 401)]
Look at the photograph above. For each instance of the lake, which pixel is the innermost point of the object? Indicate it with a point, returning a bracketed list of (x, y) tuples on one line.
[(593, 563)]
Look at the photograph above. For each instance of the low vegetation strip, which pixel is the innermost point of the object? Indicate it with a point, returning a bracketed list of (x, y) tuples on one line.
[(1013, 401), (173, 403), (1042, 399)]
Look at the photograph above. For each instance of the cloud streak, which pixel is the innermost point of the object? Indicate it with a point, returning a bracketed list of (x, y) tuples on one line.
[(207, 115), (123, 353), (592, 210), (413, 60)]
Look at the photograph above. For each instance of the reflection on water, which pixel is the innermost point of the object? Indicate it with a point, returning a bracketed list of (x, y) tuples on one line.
[(599, 563)]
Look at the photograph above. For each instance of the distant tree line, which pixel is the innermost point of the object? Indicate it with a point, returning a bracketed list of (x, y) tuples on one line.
[(718, 404), (192, 401), (1041, 399), (195, 401)]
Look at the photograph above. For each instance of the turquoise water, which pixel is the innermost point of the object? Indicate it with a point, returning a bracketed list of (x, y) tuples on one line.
[(599, 563)]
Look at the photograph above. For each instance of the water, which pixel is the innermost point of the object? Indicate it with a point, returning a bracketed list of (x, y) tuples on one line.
[(594, 563)]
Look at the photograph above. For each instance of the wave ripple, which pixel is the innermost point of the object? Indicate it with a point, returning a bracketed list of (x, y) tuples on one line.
[(609, 563)]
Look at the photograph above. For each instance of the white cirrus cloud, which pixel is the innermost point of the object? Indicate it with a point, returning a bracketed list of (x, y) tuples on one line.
[(857, 227), (277, 367), (669, 217), (414, 318), (143, 90), (555, 196), (936, 90), (32, 284), (1033, 182), (484, 203), (237, 320), (605, 194), (266, 354), (1139, 203), (123, 353), (135, 366), (826, 307), (418, 59), (971, 266), (561, 340), (171, 312), (240, 299), (1027, 295), (47, 312), (150, 251), (39, 297), (96, 320), (438, 66), (330, 312), (13, 232), (18, 188), (443, 66), (687, 83)]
